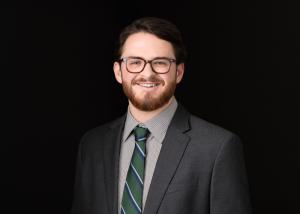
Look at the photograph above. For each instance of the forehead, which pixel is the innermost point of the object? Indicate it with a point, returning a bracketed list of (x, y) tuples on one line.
[(147, 45)]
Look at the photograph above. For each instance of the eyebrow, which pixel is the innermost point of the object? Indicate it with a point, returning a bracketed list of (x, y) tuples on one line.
[(158, 57)]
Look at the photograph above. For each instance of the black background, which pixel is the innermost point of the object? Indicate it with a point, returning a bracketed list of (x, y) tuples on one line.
[(56, 66)]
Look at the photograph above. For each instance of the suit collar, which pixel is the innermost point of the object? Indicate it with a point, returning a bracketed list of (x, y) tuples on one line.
[(170, 156), (181, 119), (111, 154)]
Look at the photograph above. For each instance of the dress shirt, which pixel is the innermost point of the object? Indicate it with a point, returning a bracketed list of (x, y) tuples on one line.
[(158, 127)]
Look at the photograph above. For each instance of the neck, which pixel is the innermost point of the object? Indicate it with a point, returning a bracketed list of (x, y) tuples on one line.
[(143, 116)]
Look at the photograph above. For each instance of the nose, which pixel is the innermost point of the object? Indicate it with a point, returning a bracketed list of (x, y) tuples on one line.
[(148, 70)]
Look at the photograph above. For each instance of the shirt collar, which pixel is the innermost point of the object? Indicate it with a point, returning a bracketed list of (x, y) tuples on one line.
[(157, 126)]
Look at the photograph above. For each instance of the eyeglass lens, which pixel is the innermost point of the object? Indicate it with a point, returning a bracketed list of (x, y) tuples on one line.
[(136, 65)]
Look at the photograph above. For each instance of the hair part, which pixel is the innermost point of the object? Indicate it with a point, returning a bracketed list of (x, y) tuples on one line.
[(161, 28)]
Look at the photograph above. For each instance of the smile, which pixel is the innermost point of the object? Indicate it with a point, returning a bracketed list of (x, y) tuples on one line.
[(148, 85)]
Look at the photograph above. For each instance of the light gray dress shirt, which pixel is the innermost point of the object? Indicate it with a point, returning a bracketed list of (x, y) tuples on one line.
[(158, 127)]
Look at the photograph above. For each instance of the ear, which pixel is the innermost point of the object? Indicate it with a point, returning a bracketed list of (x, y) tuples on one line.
[(180, 72), (118, 72)]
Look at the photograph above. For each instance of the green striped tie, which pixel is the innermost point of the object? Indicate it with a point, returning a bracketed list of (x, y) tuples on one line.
[(134, 185)]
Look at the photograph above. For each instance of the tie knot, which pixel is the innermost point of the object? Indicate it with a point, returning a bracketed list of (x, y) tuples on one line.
[(141, 133)]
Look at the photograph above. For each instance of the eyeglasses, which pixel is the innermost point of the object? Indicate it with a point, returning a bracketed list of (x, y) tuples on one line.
[(159, 65)]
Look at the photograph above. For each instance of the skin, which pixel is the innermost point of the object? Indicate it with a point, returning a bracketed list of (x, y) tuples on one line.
[(148, 46)]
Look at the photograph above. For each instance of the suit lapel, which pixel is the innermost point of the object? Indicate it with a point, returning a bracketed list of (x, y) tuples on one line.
[(171, 153), (111, 163)]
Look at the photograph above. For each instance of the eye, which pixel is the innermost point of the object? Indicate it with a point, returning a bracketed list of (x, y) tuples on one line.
[(135, 62), (161, 62)]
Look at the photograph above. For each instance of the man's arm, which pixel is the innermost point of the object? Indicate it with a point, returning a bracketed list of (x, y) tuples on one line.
[(229, 186), (77, 205)]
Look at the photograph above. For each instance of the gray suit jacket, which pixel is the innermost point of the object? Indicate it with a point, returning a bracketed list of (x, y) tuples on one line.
[(200, 170)]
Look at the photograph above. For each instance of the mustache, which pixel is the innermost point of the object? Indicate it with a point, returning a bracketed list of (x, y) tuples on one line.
[(150, 79)]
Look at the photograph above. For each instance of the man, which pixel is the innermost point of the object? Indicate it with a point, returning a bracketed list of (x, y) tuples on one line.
[(158, 158)]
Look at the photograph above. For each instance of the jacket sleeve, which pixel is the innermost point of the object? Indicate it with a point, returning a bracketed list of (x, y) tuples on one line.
[(229, 186), (79, 196)]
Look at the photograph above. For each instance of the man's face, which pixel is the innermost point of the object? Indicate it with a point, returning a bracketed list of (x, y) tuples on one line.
[(147, 90)]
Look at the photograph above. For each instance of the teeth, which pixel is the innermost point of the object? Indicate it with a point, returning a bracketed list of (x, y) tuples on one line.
[(148, 85)]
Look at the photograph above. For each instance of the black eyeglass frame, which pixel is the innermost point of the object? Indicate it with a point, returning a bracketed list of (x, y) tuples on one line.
[(124, 59)]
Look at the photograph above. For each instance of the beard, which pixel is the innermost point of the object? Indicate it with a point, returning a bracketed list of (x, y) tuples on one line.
[(149, 102)]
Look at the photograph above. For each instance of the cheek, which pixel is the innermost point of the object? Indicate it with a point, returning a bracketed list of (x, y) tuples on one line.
[(127, 77), (171, 78)]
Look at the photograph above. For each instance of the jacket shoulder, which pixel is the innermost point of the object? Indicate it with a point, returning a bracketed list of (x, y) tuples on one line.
[(207, 140), (93, 135), (208, 126), (209, 132)]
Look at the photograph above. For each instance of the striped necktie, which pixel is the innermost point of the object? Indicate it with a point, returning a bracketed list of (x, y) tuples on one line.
[(132, 201)]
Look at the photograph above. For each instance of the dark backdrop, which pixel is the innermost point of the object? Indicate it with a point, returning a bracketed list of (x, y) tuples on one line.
[(57, 75)]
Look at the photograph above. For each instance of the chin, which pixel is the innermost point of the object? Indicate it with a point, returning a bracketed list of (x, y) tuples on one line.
[(149, 103)]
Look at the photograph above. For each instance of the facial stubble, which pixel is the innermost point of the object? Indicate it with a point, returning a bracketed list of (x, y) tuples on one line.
[(149, 102)]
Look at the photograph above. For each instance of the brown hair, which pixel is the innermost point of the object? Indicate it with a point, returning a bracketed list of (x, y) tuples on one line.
[(161, 28)]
